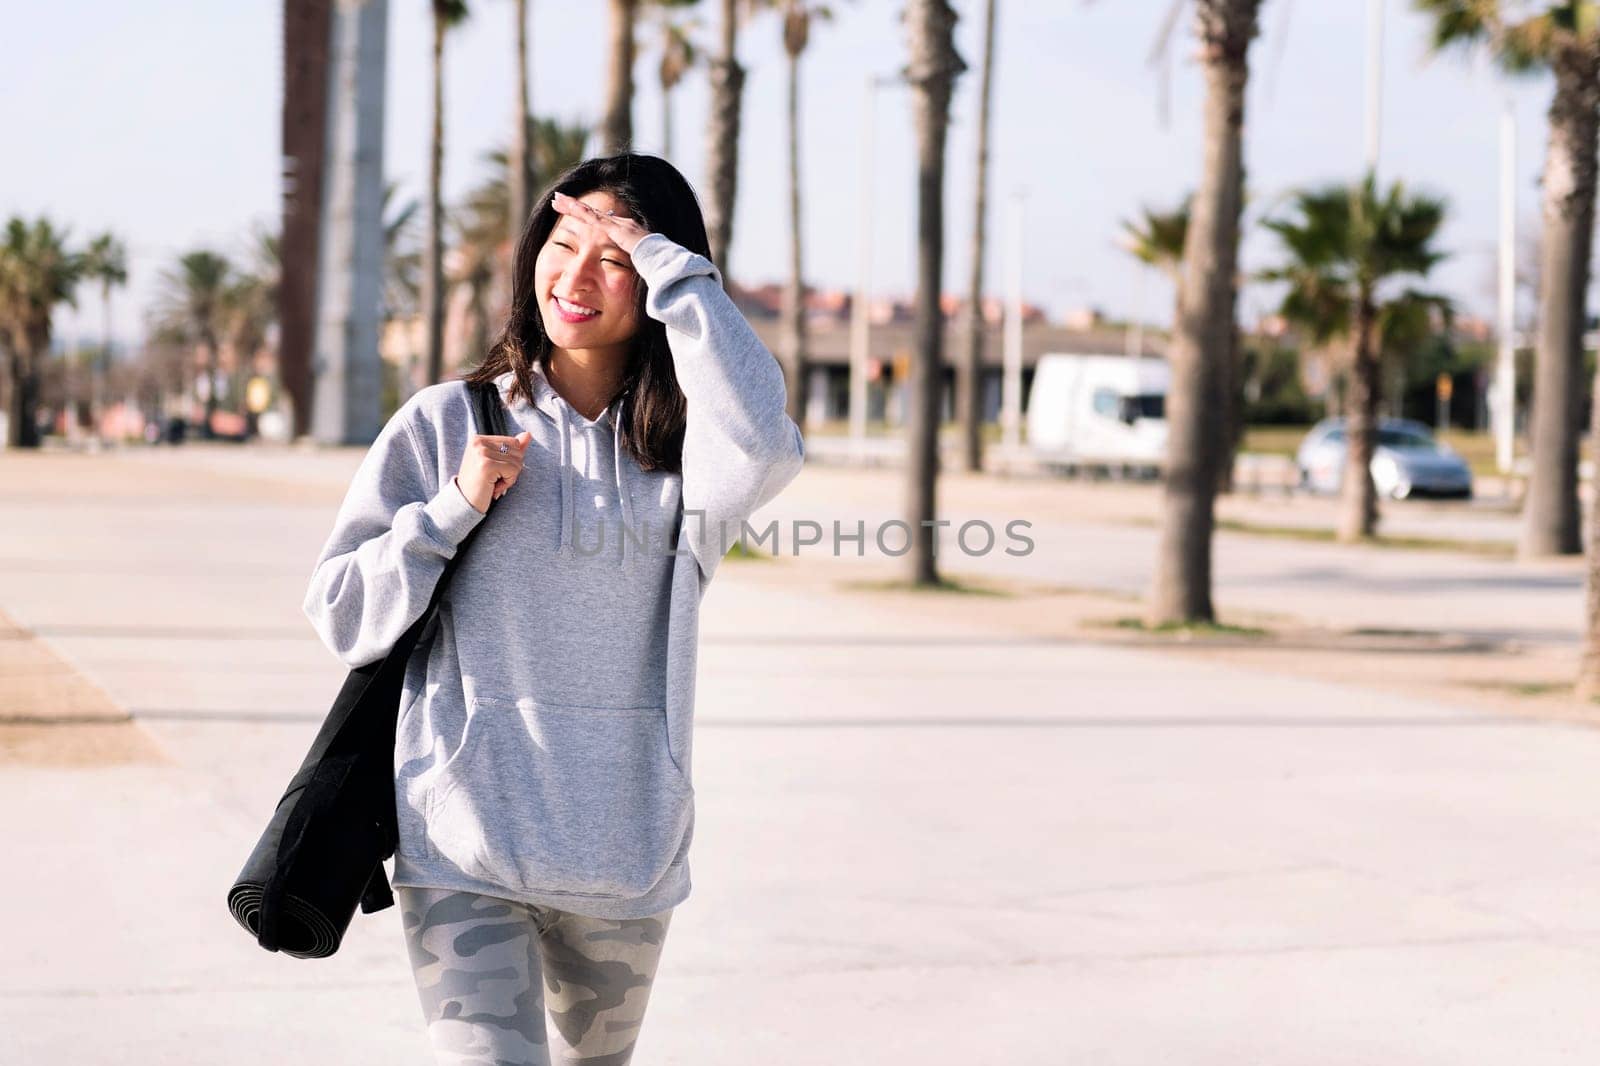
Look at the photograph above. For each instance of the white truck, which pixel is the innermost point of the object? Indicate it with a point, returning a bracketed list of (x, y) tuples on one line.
[(1099, 412)]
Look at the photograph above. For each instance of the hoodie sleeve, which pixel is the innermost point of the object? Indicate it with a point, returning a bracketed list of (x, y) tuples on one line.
[(394, 533), (740, 447)]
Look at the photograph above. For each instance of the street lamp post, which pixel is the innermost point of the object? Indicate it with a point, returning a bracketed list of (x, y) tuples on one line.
[(860, 327), (1505, 386), (1374, 117), (1011, 379)]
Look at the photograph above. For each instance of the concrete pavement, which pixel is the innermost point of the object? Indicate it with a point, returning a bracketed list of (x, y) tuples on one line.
[(922, 836)]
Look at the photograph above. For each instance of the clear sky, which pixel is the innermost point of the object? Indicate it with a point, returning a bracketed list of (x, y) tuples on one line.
[(160, 120)]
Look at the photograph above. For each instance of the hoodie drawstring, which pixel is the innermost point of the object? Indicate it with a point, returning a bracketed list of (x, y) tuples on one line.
[(552, 403), (565, 430), (622, 488)]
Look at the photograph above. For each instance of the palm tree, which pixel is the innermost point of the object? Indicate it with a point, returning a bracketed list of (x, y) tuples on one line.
[(679, 55), (616, 128), (722, 136), (1156, 239), (446, 15), (402, 261), (1563, 38), (969, 399), (518, 178), (797, 18), (250, 308), (37, 271), (193, 301), (1408, 326), (105, 261), (479, 249), (931, 72), (266, 255), (557, 145), (401, 289), (1203, 335), (247, 310), (1346, 245), (304, 76), (482, 249)]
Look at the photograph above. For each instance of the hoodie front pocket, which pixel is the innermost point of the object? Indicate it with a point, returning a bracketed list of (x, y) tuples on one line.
[(560, 798)]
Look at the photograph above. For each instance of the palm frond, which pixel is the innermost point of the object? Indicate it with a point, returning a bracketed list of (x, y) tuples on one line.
[(1343, 243), (37, 271), (191, 297), (1521, 38), (1156, 238), (106, 261), (450, 12), (1458, 23), (1160, 59), (1406, 321)]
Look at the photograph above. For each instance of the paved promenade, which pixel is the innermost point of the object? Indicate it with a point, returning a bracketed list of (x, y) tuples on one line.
[(941, 830)]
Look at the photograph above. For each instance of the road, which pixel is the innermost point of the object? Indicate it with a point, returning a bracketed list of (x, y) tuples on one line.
[(918, 840)]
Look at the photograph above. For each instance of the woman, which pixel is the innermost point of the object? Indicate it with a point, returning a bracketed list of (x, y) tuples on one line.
[(543, 750)]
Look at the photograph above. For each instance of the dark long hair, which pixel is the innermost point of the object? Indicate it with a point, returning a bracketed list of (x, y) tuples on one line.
[(653, 410)]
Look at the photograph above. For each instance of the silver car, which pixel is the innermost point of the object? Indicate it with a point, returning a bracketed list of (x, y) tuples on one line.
[(1407, 461)]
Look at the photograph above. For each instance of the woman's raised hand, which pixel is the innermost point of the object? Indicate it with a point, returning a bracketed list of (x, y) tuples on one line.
[(487, 473), (623, 231)]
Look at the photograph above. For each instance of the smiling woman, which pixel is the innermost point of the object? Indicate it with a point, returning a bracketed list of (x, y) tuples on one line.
[(543, 762), (586, 270)]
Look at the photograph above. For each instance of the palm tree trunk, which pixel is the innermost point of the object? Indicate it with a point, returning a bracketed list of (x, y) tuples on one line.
[(208, 341), (519, 177), (931, 73), (97, 401), (1203, 333), (969, 384), (616, 130), (1358, 505), (306, 28), (722, 139), (433, 245), (1551, 516), (1588, 684), (22, 426), (794, 310), (1232, 409), (15, 372)]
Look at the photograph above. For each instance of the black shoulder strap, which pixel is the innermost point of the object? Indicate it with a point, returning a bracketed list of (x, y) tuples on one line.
[(489, 413)]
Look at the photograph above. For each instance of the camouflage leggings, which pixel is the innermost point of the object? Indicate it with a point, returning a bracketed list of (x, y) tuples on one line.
[(478, 962)]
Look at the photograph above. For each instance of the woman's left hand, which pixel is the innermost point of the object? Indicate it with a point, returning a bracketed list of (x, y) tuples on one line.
[(624, 232)]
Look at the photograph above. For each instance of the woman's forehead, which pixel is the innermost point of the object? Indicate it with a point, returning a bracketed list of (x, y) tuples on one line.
[(582, 230)]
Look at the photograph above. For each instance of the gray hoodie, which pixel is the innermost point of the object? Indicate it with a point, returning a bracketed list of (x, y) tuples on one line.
[(545, 735)]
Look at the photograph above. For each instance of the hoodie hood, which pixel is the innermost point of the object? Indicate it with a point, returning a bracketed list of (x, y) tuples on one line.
[(569, 421)]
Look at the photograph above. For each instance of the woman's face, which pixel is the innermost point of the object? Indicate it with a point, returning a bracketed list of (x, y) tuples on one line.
[(579, 270)]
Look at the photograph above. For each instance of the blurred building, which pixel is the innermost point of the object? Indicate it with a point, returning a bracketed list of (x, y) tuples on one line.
[(828, 313), (891, 341)]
